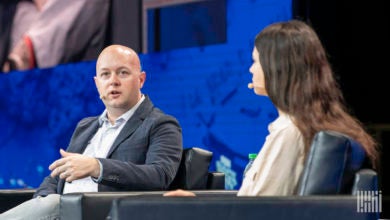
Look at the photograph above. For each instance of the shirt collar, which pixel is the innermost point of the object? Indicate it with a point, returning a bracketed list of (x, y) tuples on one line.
[(279, 123), (125, 116)]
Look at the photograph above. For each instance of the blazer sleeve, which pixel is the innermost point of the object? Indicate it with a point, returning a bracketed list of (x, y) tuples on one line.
[(52, 185), (48, 186), (161, 141)]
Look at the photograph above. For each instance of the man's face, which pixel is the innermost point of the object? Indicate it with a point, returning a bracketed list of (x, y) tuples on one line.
[(119, 78)]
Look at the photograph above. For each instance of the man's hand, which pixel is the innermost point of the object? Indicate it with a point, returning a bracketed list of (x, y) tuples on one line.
[(73, 166)]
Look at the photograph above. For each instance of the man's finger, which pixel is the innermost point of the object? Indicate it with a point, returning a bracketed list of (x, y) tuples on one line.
[(53, 165), (57, 163), (65, 174), (55, 172), (67, 154), (63, 153)]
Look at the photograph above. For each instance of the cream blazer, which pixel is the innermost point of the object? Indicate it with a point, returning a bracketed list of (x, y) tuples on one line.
[(279, 164)]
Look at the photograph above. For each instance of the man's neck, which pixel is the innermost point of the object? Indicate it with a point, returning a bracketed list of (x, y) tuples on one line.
[(112, 115)]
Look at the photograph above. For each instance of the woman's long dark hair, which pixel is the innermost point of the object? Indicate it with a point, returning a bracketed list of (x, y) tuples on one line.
[(300, 82)]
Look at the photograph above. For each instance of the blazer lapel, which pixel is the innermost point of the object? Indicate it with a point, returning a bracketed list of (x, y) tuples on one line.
[(133, 123), (81, 143)]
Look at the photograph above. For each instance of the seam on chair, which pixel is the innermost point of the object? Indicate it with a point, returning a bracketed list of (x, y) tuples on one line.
[(190, 158), (309, 163), (341, 177)]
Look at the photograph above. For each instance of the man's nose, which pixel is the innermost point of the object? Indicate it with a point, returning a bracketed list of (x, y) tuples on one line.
[(114, 79)]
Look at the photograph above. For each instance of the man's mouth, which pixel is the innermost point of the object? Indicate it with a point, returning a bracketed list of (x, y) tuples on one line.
[(114, 93)]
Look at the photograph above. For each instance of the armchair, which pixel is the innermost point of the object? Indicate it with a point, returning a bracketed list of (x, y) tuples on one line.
[(336, 165), (193, 174), (335, 171)]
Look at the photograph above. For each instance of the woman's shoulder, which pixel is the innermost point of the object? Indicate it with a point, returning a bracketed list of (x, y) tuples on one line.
[(283, 124)]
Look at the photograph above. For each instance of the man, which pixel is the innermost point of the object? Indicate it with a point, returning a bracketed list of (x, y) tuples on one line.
[(131, 146)]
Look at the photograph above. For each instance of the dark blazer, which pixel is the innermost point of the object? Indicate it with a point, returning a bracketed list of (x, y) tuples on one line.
[(145, 155)]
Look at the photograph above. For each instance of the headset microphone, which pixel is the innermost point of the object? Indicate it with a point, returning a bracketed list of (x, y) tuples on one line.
[(250, 86)]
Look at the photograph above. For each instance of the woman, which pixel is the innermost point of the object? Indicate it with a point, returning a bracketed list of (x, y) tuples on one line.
[(291, 68)]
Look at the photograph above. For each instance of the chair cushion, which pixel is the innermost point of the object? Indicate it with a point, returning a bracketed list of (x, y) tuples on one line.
[(332, 162), (193, 170)]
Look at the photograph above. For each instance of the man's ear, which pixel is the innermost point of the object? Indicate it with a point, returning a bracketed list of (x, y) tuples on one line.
[(95, 80), (142, 78), (96, 84)]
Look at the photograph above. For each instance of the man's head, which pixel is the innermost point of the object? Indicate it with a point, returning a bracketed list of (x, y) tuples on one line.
[(119, 78)]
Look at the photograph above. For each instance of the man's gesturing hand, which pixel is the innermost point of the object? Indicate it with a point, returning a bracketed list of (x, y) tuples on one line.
[(73, 166)]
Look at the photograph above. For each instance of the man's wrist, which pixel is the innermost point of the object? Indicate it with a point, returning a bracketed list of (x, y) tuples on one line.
[(97, 173)]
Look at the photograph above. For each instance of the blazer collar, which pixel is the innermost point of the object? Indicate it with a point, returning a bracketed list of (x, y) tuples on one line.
[(133, 123), (81, 143)]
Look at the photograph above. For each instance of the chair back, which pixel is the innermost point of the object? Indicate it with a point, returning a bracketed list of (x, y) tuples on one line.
[(193, 170), (333, 162)]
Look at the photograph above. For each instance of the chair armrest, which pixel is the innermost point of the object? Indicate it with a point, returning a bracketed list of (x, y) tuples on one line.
[(232, 208), (365, 180), (10, 198), (216, 180), (97, 205), (215, 193), (93, 205)]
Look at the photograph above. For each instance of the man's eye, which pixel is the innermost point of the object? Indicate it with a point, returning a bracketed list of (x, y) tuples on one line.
[(123, 73)]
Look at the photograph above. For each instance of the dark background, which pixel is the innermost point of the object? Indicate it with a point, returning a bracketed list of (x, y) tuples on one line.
[(356, 36)]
